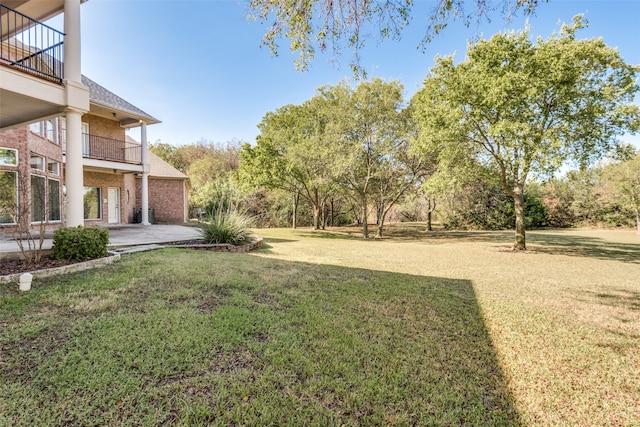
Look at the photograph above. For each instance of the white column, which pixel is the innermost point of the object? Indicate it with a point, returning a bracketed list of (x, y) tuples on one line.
[(73, 179), (72, 46), (145, 174), (78, 103)]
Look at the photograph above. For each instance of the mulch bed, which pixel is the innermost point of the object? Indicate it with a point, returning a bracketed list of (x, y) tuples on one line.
[(20, 266)]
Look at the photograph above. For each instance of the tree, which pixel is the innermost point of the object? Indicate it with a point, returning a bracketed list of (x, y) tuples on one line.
[(210, 176), (623, 182), (181, 157), (292, 153), (330, 24), (523, 108), (372, 136)]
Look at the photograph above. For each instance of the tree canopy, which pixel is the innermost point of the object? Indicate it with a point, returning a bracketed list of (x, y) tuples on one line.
[(522, 108), (313, 25), (349, 141)]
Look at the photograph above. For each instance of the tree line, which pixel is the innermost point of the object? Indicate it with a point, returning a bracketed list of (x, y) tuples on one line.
[(481, 144)]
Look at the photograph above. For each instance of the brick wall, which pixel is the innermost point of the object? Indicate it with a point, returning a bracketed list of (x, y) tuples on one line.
[(27, 142), (104, 127), (104, 181), (167, 197)]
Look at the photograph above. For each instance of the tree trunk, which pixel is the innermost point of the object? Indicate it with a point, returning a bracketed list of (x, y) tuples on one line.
[(365, 219), (316, 210), (638, 220), (518, 201), (380, 225), (332, 213), (294, 219), (323, 219), (316, 217), (429, 210)]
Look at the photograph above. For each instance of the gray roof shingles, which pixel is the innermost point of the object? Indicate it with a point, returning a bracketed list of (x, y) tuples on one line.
[(106, 98)]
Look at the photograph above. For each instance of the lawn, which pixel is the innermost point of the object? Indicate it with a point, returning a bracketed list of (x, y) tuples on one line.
[(324, 328)]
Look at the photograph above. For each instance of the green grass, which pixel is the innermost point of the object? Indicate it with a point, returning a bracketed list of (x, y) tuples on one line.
[(325, 329)]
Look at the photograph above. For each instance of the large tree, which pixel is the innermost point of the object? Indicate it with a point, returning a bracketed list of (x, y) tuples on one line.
[(372, 137), (623, 182), (293, 154), (524, 107), (335, 24)]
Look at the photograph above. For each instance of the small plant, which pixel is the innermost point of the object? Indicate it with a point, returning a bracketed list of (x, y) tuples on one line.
[(226, 226), (80, 243)]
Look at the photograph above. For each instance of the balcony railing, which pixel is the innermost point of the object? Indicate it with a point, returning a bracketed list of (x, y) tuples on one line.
[(30, 45), (114, 150)]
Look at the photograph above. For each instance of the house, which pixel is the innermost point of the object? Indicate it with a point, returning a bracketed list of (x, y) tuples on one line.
[(36, 84), (64, 154), (168, 191)]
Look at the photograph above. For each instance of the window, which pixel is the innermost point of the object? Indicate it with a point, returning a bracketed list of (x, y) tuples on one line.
[(51, 130), (38, 198), (92, 205), (46, 129), (85, 136), (8, 156), (36, 128), (63, 133), (86, 146), (53, 200), (37, 162), (8, 197), (53, 167)]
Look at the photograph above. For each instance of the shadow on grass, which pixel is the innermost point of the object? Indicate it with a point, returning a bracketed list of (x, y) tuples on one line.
[(620, 298), (583, 246), (211, 338), (339, 233)]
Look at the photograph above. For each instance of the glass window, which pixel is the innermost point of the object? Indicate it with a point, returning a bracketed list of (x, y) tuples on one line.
[(53, 167), (92, 205), (38, 198), (53, 200), (8, 197), (36, 128), (86, 145), (8, 156), (51, 130), (63, 133), (37, 162)]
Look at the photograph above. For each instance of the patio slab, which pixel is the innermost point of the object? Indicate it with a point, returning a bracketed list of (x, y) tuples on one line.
[(119, 236)]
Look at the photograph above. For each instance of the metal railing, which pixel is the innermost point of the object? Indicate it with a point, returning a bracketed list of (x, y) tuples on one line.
[(30, 45), (115, 150)]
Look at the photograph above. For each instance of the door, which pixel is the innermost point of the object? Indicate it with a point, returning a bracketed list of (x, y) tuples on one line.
[(114, 205), (86, 148)]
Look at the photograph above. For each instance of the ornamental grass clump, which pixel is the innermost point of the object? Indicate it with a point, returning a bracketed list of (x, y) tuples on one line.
[(226, 226)]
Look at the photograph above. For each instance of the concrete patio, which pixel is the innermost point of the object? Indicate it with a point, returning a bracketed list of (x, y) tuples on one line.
[(120, 236)]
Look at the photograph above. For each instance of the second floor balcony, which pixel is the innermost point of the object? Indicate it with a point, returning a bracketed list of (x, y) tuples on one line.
[(108, 149), (30, 46), (114, 150)]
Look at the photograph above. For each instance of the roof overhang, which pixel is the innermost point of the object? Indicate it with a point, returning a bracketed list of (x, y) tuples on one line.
[(126, 118), (40, 10)]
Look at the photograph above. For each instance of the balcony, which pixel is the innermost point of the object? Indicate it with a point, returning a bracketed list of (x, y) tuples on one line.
[(30, 46), (112, 150), (108, 149)]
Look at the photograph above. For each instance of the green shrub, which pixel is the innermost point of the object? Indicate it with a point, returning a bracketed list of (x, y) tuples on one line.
[(226, 227), (80, 243)]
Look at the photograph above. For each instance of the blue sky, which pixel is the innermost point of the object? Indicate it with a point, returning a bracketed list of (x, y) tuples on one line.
[(197, 65)]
